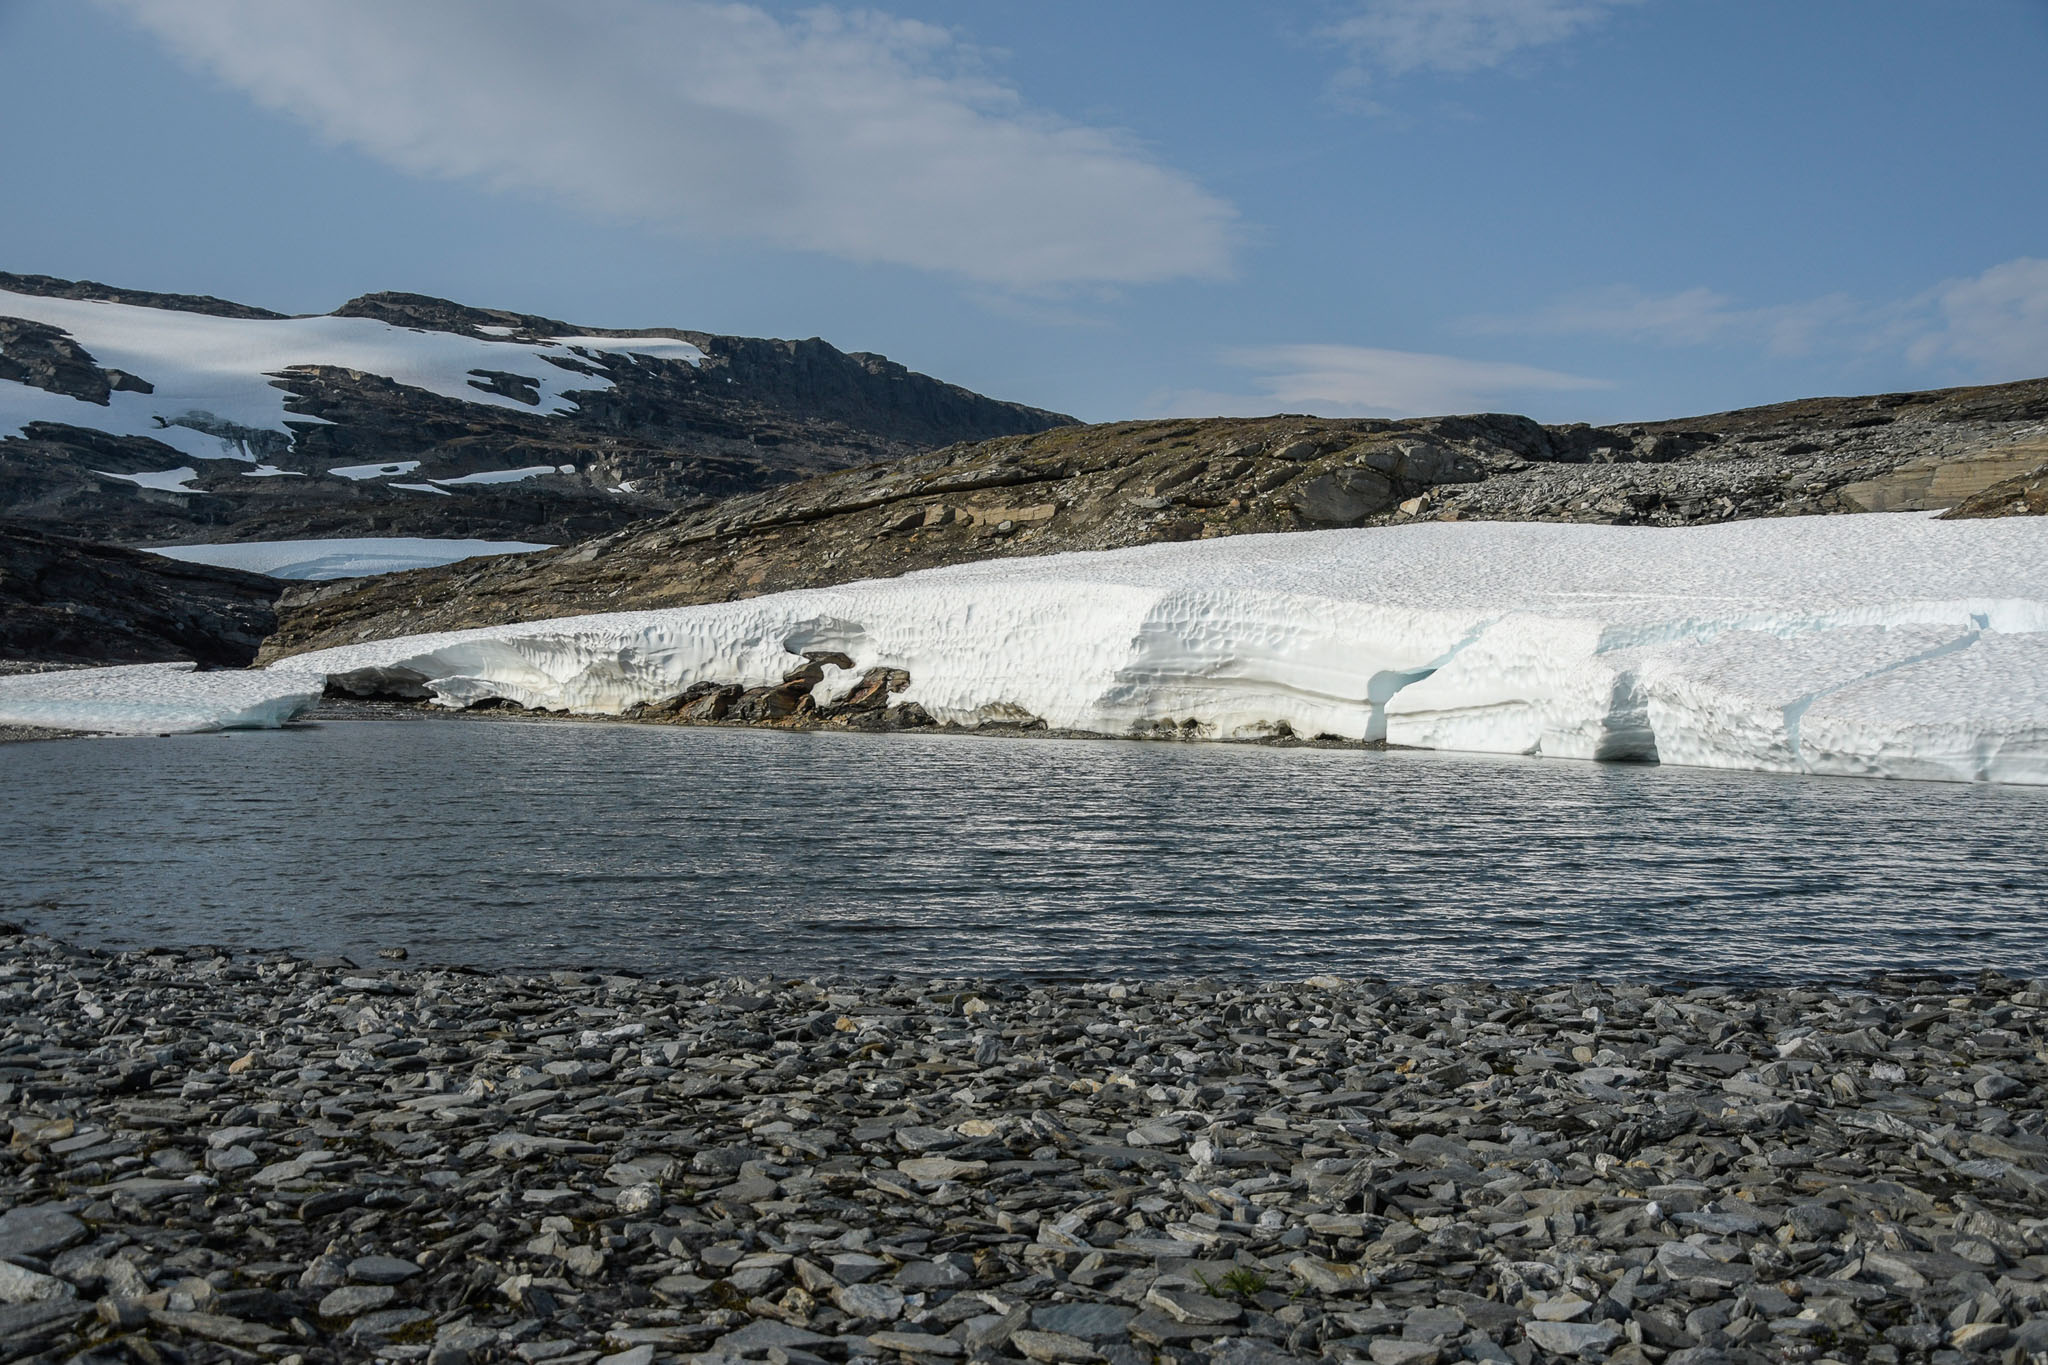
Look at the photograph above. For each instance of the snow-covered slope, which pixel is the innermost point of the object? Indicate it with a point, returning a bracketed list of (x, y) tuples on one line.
[(212, 396), (1885, 645), (157, 699), (322, 560), (133, 417)]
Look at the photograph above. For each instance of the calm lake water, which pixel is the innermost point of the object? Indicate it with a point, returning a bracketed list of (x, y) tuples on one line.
[(678, 852)]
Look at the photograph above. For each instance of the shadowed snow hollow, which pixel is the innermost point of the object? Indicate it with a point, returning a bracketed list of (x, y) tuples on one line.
[(1876, 645)]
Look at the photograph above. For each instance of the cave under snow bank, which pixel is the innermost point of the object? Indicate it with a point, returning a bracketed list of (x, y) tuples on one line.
[(158, 699), (1893, 646)]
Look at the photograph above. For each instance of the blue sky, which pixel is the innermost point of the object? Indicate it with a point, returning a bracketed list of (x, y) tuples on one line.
[(1580, 209)]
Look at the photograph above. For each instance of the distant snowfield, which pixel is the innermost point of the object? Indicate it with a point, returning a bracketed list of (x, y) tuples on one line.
[(213, 397), (164, 480), (157, 699), (319, 560), (535, 471), (359, 472), (1884, 646)]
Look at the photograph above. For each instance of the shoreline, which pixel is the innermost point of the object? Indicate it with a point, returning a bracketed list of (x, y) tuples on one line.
[(255, 1156), (341, 707), (25, 734)]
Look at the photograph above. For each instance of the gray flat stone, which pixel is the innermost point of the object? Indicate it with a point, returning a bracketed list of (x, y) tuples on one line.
[(38, 1230), (353, 1300), (18, 1322), (757, 1336), (916, 1343), (381, 1270), (19, 1285), (389, 1322), (1161, 1330), (1250, 1351), (1572, 1338), (1091, 1322)]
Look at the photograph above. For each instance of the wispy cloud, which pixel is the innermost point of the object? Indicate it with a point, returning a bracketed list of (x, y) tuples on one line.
[(1988, 327), (1366, 381), (1995, 323), (851, 133), (1691, 317), (1395, 37)]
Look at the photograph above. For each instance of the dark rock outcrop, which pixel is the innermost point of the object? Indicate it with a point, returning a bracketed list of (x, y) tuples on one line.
[(1130, 483), (49, 287), (43, 357), (789, 703), (66, 601)]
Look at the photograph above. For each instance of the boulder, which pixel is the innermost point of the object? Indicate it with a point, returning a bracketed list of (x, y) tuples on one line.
[(1342, 497)]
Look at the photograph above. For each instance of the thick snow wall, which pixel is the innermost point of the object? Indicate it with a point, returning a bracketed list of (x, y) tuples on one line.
[(158, 699), (1891, 645)]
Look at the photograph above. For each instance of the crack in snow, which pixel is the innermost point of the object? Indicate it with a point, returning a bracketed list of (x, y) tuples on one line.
[(1796, 712)]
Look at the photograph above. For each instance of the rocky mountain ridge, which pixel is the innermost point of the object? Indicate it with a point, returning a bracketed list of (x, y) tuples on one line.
[(1130, 483), (648, 433), (67, 601)]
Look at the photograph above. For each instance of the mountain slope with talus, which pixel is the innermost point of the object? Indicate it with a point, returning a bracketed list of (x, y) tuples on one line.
[(138, 418), (1134, 483)]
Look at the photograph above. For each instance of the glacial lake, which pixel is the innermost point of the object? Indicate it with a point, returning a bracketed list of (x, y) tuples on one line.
[(705, 852)]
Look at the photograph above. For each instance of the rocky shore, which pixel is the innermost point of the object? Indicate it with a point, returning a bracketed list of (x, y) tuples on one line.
[(233, 1156), (780, 707)]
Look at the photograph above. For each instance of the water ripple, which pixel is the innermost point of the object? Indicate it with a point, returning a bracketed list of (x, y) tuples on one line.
[(703, 852)]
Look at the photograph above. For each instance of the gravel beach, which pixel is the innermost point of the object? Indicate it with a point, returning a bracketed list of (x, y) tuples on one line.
[(233, 1156)]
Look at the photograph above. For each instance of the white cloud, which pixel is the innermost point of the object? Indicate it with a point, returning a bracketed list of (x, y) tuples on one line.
[(1691, 317), (854, 134), (1365, 381), (1986, 328), (1399, 36), (1995, 324)]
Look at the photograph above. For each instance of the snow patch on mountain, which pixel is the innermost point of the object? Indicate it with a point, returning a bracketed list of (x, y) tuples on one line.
[(657, 348), (321, 560), (163, 480), (359, 472), (1875, 645), (506, 475), (212, 376)]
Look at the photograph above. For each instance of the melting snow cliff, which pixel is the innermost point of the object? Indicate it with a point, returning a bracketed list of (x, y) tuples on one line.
[(1876, 645)]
